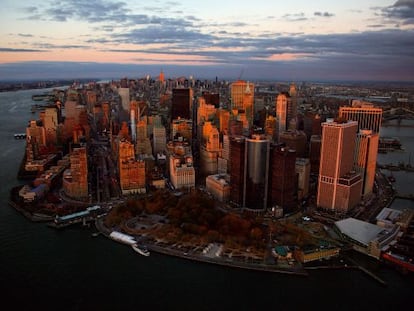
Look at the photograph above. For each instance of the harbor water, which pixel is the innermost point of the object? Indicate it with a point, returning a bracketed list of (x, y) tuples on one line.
[(44, 268)]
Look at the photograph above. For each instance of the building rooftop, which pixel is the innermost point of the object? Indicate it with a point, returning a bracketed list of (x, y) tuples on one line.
[(358, 230)]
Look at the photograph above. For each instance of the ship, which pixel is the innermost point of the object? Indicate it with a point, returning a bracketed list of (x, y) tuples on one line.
[(122, 238), (404, 262), (141, 250)]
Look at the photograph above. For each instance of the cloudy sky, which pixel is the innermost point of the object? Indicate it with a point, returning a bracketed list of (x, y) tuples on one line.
[(261, 39)]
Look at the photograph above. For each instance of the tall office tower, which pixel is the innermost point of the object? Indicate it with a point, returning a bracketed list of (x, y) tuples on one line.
[(295, 140), (237, 151), (183, 128), (223, 120), (35, 141), (125, 97), (242, 98), (270, 127), (131, 171), (223, 161), (205, 112), (339, 185), (209, 149), (315, 153), (302, 168), (106, 110), (212, 99), (366, 158), (256, 174), (161, 77), (282, 106), (181, 105), (143, 143), (367, 116), (133, 126), (283, 177), (124, 132), (259, 103), (36, 133), (50, 123), (293, 107), (159, 139), (91, 99), (235, 128), (182, 173), (75, 179)]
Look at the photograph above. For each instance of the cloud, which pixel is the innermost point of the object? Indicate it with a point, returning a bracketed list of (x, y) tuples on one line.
[(401, 11), (298, 17), (20, 50), (323, 14), (25, 35)]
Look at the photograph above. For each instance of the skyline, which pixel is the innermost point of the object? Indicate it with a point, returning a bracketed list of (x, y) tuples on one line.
[(268, 40)]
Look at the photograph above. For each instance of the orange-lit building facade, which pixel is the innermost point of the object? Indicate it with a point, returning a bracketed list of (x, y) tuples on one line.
[(366, 158), (75, 179), (339, 186), (367, 116), (131, 171), (242, 99)]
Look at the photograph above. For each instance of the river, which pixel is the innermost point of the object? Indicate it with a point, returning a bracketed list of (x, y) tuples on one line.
[(42, 268)]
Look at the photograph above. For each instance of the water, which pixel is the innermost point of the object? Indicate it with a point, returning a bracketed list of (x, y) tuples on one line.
[(42, 268)]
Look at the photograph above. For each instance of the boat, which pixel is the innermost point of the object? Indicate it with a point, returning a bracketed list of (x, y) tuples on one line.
[(20, 136), (141, 250), (401, 261)]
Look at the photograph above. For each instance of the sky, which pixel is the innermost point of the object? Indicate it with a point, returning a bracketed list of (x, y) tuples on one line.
[(280, 40)]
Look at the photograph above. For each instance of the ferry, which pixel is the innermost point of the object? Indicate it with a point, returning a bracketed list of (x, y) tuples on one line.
[(20, 136), (141, 250), (400, 260)]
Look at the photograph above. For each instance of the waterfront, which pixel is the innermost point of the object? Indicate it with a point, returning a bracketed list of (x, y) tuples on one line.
[(70, 269)]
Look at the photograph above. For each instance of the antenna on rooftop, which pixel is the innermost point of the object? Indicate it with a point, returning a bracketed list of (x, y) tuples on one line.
[(241, 74)]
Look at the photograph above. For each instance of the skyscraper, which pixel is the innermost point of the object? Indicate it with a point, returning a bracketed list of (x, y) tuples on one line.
[(339, 185), (181, 103), (366, 158), (369, 122), (282, 177), (282, 105), (367, 116), (242, 98)]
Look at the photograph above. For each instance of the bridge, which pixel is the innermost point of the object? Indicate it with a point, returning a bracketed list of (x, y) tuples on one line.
[(397, 113)]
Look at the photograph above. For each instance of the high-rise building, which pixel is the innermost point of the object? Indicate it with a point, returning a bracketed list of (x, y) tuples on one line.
[(303, 170), (367, 116), (183, 128), (205, 112), (366, 158), (242, 99), (315, 153), (159, 139), (283, 177), (182, 173), (131, 171), (369, 120), (293, 107), (282, 105), (181, 105), (295, 140), (75, 179), (125, 97), (256, 183), (237, 151), (339, 186)]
